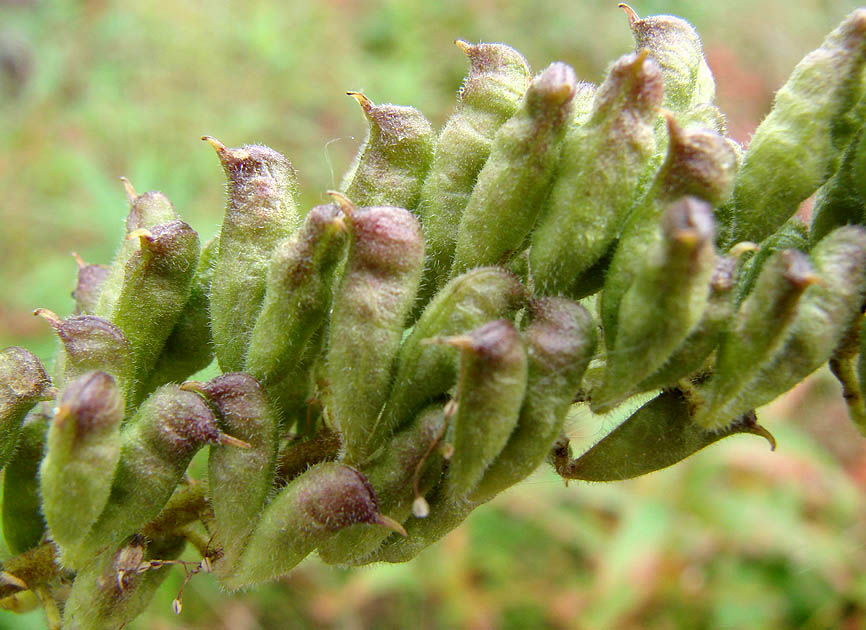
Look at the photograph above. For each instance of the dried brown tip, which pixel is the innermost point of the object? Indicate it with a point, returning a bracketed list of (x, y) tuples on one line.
[(227, 440), (463, 342), (129, 190), (49, 316), (196, 387), (743, 247), (218, 146), (757, 429), (366, 104), (142, 234), (390, 523), (342, 200), (7, 579), (629, 13), (79, 260)]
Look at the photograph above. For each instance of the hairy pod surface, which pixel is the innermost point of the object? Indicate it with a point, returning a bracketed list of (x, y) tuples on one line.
[(498, 77), (82, 451), (23, 523), (88, 286), (386, 256), (393, 160), (516, 177), (260, 213), (600, 168), (793, 234), (23, 383), (797, 146)]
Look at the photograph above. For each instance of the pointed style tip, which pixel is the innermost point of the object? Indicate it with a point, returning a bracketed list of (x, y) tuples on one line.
[(343, 202), (457, 341), (197, 387), (630, 13), (7, 579), (129, 190), (463, 45), (743, 247), (227, 440), (366, 104), (50, 316), (218, 146), (143, 234), (390, 523), (79, 260)]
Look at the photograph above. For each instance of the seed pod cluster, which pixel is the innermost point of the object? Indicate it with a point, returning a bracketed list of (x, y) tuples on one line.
[(394, 358)]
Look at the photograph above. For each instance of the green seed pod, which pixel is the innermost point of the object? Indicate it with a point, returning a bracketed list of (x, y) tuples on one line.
[(23, 524), (189, 347), (693, 352), (23, 383), (498, 77), (83, 449), (261, 212), (840, 201), (759, 326), (664, 302), (794, 234), (90, 343), (301, 279), (88, 286), (117, 587), (311, 509), (145, 212), (658, 435), (675, 46), (424, 370), (239, 479), (393, 161), (825, 313), (599, 173), (386, 255), (516, 177), (490, 392), (560, 341), (797, 146), (155, 290), (699, 163), (157, 446), (408, 457)]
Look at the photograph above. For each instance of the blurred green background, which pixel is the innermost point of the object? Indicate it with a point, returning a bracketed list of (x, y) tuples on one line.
[(735, 538)]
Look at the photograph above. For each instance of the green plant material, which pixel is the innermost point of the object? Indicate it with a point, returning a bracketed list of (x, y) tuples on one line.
[(600, 168), (23, 524), (393, 160), (794, 234), (146, 211), (189, 346), (560, 341), (82, 449), (498, 77), (157, 445), (117, 586), (659, 434), (298, 455), (325, 499), (90, 343), (32, 568), (824, 314), (797, 146), (515, 179), (88, 285), (425, 371), (260, 213), (490, 392), (664, 302), (386, 256), (409, 465), (301, 279), (23, 383), (239, 478), (699, 163), (675, 46)]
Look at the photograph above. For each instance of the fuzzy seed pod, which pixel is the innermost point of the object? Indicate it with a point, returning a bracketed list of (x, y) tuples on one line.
[(409, 456), (825, 313), (23, 524), (560, 340), (311, 509), (498, 77), (189, 347), (658, 435), (90, 343), (381, 277), (599, 172), (88, 286), (393, 161), (676, 47), (797, 146), (239, 479), (23, 383), (490, 392), (82, 452), (664, 302), (260, 213), (301, 279), (157, 445), (425, 370), (516, 177)]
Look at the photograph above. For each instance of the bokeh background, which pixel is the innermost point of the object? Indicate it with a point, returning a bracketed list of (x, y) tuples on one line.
[(737, 537)]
